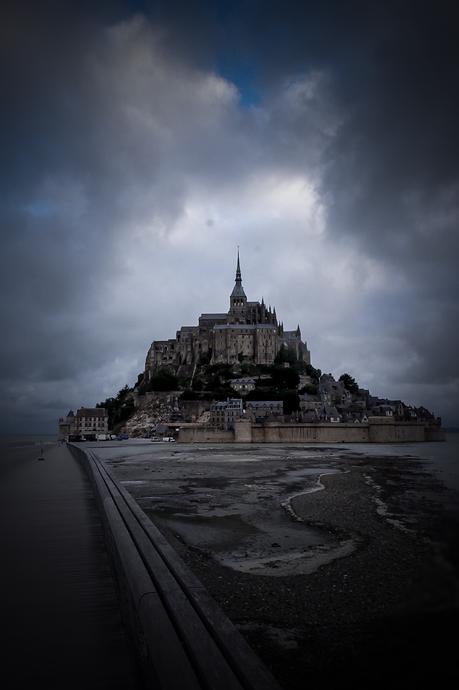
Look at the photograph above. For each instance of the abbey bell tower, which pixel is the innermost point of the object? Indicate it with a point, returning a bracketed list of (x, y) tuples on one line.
[(238, 299)]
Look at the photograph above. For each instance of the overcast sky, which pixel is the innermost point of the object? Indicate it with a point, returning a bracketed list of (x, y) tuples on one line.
[(141, 142)]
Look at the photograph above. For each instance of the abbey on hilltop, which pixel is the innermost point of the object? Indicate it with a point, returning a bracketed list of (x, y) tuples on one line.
[(248, 332)]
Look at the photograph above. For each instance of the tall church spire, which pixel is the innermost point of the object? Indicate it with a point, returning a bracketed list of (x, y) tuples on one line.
[(238, 269), (238, 290), (238, 299)]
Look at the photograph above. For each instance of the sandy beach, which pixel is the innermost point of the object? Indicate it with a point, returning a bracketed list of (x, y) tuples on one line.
[(339, 564)]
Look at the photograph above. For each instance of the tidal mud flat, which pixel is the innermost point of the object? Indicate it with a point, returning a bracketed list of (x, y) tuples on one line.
[(340, 566)]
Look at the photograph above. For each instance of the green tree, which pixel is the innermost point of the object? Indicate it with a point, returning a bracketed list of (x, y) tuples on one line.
[(315, 374), (163, 380), (123, 393), (248, 369), (300, 366), (264, 394), (120, 408), (309, 388), (204, 358), (291, 402), (284, 377), (349, 383), (191, 395), (197, 384), (286, 355), (220, 368)]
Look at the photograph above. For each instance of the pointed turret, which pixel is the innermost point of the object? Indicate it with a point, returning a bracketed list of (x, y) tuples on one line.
[(298, 332)]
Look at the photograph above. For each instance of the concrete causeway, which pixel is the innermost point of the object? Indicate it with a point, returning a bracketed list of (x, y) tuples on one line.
[(60, 613), (185, 641), (66, 527)]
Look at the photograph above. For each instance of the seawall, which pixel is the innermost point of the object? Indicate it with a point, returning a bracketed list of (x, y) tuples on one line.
[(377, 430)]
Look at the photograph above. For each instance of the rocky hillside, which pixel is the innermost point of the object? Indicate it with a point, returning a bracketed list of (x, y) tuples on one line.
[(142, 422)]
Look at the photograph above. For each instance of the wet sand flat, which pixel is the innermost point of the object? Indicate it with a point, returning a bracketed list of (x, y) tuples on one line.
[(338, 564)]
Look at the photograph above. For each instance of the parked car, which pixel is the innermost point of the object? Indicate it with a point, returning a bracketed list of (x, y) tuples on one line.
[(122, 437)]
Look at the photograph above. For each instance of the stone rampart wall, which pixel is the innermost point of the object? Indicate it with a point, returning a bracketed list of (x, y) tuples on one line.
[(376, 431), (202, 434), (396, 432), (194, 408), (167, 397), (310, 433)]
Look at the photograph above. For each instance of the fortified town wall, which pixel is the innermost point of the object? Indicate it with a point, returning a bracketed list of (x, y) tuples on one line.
[(377, 430)]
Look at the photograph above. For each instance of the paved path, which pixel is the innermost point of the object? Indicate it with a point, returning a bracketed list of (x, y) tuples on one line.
[(59, 609)]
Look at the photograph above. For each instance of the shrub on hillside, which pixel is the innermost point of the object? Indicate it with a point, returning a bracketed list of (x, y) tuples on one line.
[(163, 381)]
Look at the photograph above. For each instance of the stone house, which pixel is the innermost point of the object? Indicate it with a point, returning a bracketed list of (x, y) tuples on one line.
[(383, 410), (243, 385), (331, 414), (88, 422), (264, 409), (309, 403), (224, 413)]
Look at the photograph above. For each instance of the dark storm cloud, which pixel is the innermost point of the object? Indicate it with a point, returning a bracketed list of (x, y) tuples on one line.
[(116, 126), (393, 182), (104, 129), (52, 235), (390, 172)]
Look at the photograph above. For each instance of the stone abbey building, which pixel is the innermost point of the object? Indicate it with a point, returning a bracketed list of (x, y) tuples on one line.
[(248, 332)]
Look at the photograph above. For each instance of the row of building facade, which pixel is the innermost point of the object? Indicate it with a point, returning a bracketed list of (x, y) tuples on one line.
[(224, 413), (87, 423)]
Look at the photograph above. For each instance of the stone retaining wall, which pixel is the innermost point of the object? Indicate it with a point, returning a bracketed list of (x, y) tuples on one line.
[(204, 434), (377, 430)]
